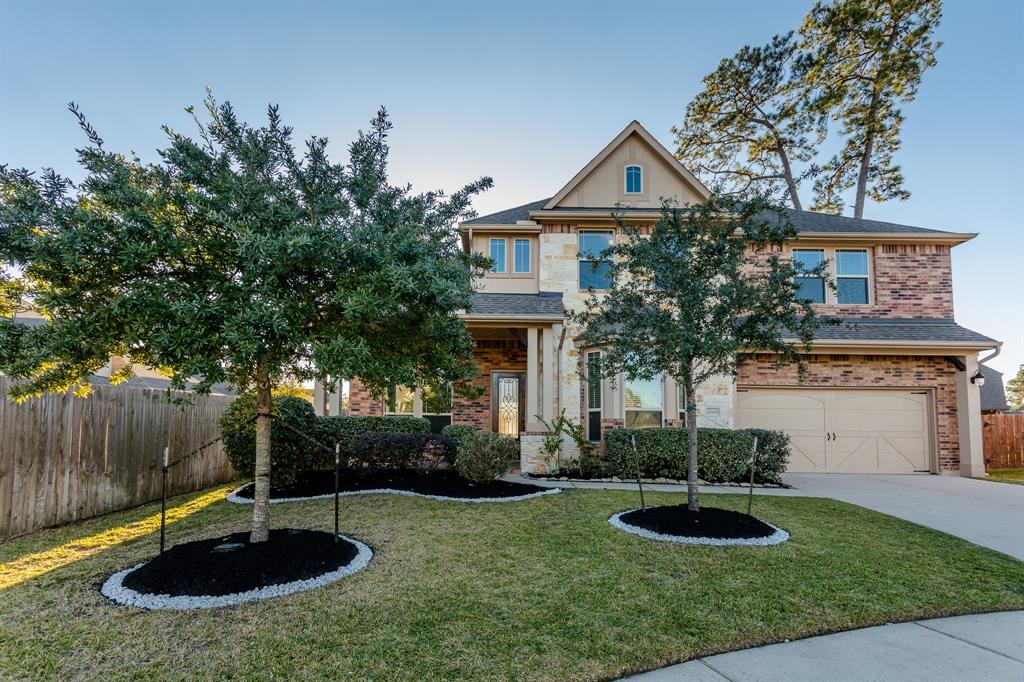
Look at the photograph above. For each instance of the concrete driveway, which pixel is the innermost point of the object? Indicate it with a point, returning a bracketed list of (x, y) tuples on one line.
[(983, 512)]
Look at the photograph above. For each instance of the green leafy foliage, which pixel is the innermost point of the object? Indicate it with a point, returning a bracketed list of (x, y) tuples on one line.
[(292, 454), (724, 454), (485, 456), (344, 429), (461, 434), (374, 451), (1015, 390)]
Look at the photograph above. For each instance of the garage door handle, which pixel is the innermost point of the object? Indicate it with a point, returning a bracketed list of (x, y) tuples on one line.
[(828, 436)]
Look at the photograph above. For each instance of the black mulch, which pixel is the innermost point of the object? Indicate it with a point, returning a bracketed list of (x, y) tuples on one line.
[(194, 569), (446, 483), (708, 523)]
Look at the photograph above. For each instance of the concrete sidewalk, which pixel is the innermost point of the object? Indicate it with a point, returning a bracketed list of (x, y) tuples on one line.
[(987, 647)]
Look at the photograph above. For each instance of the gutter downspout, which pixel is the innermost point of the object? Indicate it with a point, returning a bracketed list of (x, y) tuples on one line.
[(982, 361)]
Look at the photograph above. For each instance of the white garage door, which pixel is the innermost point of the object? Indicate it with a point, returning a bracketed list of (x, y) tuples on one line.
[(843, 431)]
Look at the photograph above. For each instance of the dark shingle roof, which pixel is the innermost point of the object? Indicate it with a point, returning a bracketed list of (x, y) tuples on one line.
[(901, 329), (910, 330), (993, 397), (220, 388), (544, 303), (805, 221)]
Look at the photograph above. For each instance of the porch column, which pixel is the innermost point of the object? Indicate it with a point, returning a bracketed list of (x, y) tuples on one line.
[(968, 418), (334, 399), (531, 380), (319, 398), (417, 402), (548, 383)]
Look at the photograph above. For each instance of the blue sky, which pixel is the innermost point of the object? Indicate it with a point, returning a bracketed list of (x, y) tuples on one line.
[(524, 92)]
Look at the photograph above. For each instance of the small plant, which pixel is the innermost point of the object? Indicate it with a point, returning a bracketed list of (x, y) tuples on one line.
[(552, 443), (485, 456), (461, 434)]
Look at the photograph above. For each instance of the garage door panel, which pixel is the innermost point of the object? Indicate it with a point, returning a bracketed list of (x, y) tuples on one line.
[(844, 431)]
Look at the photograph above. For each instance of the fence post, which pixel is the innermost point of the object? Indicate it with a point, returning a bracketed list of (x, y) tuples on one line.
[(337, 466), (163, 496), (639, 483)]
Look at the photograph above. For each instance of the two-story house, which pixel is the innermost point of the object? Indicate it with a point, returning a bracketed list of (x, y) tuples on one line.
[(892, 390)]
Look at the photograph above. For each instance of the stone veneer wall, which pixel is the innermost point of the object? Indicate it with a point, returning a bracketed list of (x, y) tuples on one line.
[(867, 371)]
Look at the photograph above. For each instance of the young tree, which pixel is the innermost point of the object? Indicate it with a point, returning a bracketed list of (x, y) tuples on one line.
[(862, 59), (1015, 390), (706, 286), (236, 258), (748, 127)]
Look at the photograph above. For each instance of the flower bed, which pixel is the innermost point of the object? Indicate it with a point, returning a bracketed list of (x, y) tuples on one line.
[(710, 526)]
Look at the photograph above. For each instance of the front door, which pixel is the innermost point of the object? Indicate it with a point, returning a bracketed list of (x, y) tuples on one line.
[(506, 392)]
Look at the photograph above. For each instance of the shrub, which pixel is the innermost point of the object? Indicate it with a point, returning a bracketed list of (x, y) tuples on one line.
[(343, 429), (458, 433), (723, 454), (381, 450), (290, 454), (485, 456), (772, 456)]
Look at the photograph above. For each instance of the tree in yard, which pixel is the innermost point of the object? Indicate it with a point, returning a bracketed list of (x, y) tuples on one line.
[(706, 286), (747, 130), (861, 59), (1015, 390), (236, 258)]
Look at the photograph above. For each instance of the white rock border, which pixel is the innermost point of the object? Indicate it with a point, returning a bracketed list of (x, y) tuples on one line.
[(115, 590), (235, 498), (778, 537)]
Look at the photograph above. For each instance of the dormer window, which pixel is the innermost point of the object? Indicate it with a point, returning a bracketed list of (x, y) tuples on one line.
[(634, 180)]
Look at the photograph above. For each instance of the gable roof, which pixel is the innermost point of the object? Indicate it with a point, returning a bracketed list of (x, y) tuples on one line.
[(633, 128)]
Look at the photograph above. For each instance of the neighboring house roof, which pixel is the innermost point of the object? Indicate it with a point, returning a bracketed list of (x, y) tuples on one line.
[(804, 221), (898, 330), (544, 304), (993, 396), (221, 388)]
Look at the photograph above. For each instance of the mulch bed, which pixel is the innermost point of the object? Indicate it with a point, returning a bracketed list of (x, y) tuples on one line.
[(710, 522), (194, 569), (441, 483)]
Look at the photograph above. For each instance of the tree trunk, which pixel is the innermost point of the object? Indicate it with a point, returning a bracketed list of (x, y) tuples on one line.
[(261, 495), (691, 444), (787, 171), (865, 160)]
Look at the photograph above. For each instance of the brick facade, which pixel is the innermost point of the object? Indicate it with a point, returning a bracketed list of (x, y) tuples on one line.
[(867, 371)]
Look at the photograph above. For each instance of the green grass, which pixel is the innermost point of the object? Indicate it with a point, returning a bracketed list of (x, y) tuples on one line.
[(541, 589), (1006, 476)]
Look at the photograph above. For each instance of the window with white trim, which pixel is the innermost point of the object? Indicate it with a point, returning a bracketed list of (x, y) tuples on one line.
[(437, 406), (634, 180), (497, 252), (521, 256), (594, 396), (811, 287), (593, 273), (644, 403), (399, 400), (851, 276)]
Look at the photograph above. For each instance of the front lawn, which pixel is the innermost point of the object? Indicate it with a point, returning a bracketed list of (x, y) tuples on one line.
[(1006, 476), (541, 589)]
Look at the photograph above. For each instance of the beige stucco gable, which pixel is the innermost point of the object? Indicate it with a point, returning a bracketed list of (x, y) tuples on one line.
[(602, 183)]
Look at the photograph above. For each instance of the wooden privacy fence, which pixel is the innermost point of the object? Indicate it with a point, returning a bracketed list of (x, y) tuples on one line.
[(64, 458), (1003, 440)]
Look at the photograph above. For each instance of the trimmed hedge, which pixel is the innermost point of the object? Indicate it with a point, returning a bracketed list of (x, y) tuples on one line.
[(290, 455), (343, 429), (376, 451), (723, 454)]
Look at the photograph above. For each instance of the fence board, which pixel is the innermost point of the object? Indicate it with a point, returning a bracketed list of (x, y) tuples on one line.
[(1003, 440), (65, 459)]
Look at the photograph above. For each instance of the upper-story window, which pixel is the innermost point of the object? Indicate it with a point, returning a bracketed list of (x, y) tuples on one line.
[(634, 180), (811, 287), (594, 274), (498, 255), (644, 403), (849, 268), (521, 256), (851, 276)]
